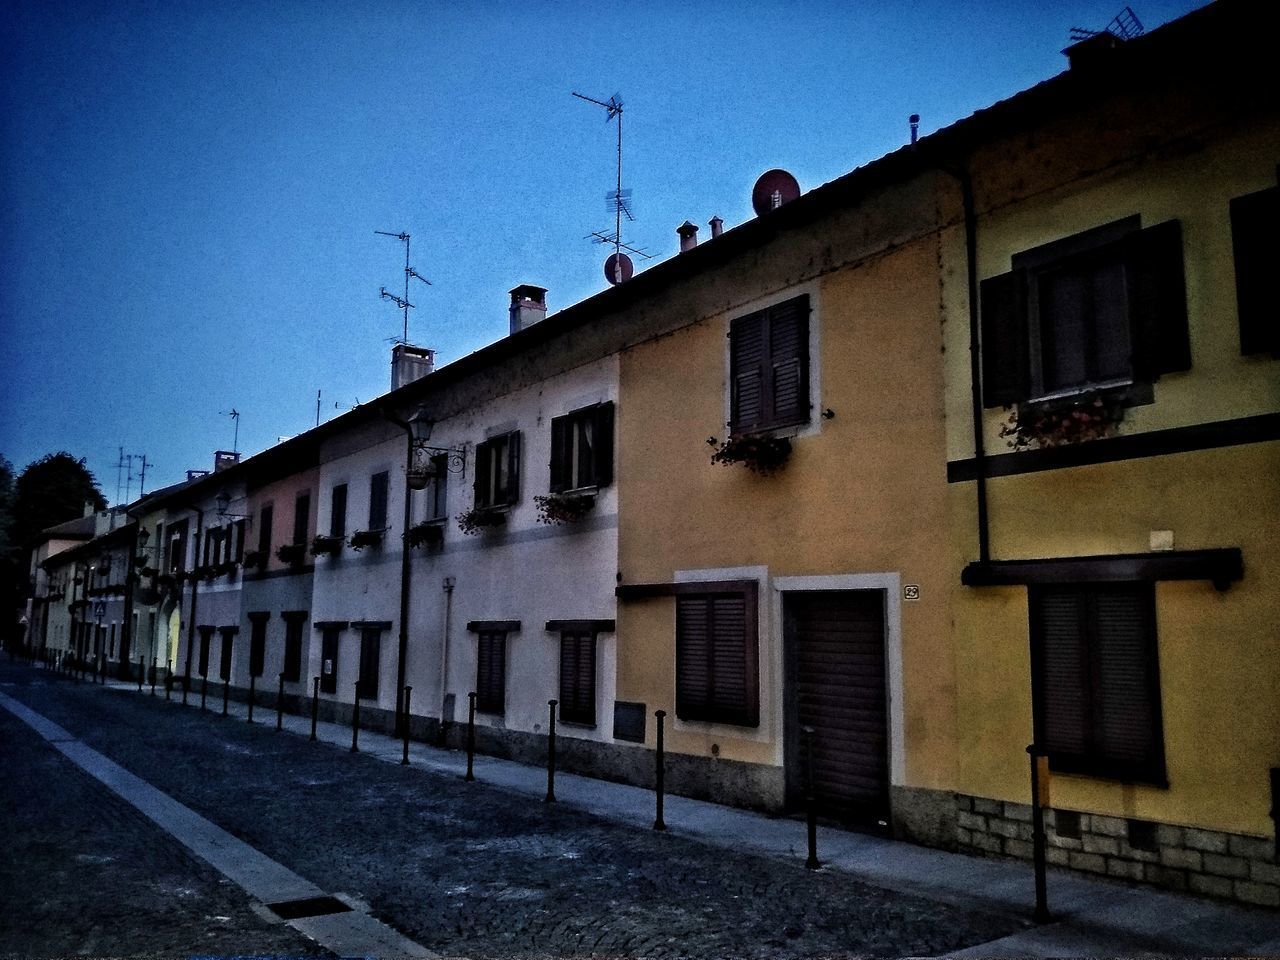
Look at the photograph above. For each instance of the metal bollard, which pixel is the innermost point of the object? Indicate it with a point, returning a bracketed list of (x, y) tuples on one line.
[(186, 684), (315, 705), (1039, 800), (471, 735), (408, 692), (204, 690), (168, 678), (153, 676), (355, 720), (142, 672), (660, 771), (226, 689), (280, 705), (551, 753), (811, 807), (252, 678)]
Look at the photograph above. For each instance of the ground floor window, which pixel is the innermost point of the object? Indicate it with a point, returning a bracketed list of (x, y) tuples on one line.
[(578, 677), (206, 634), (1096, 679), (228, 641), (491, 672), (716, 659), (329, 659), (293, 625), (257, 643), (370, 662)]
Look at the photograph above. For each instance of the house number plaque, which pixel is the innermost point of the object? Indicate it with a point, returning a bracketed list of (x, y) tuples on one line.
[(911, 591)]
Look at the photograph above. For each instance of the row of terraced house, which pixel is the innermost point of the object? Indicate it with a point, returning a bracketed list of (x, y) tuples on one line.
[(975, 447)]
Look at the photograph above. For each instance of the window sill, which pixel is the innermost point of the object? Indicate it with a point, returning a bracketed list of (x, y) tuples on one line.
[(576, 724), (1125, 393), (1089, 769)]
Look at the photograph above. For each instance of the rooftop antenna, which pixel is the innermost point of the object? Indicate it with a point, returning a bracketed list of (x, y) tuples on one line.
[(402, 302), (618, 267), (234, 414), (142, 476), (119, 467), (1125, 25), (317, 408)]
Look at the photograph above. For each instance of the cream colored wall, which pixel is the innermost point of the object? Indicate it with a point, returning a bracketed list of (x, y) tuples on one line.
[(864, 492)]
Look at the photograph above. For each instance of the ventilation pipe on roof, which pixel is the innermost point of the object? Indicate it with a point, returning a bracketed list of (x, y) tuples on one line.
[(717, 227), (688, 236), (410, 363)]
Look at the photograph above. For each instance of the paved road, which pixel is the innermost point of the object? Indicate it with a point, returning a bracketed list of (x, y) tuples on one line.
[(463, 869)]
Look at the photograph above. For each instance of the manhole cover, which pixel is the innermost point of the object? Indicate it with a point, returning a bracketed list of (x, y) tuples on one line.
[(308, 907)]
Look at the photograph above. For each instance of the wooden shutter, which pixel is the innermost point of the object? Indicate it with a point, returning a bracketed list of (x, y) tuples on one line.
[(1063, 671), (693, 658), (512, 492), (329, 660), (603, 445), (239, 545), (257, 644), (1255, 240), (224, 668), (1158, 302), (301, 517), (264, 530), (561, 445), (747, 348), (1127, 705), (491, 667), (1005, 356), (578, 677), (484, 494), (293, 649), (789, 363), (338, 512), (715, 660), (378, 487), (370, 658)]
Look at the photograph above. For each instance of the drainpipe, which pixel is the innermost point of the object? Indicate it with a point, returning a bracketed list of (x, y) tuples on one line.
[(444, 648), (126, 630), (195, 586), (402, 721)]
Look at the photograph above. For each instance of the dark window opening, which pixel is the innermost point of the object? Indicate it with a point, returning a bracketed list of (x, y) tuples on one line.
[(301, 517), (176, 548), (370, 661), (491, 672), (228, 640), (582, 448), (498, 471), (716, 659), (293, 626), (264, 529), (257, 644), (329, 659), (1066, 824), (1255, 241), (769, 368), (378, 485), (206, 634), (1096, 680), (1142, 835), (578, 677), (338, 511), (437, 488)]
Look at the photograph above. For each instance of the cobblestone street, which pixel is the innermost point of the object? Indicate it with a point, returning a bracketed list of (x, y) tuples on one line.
[(463, 869)]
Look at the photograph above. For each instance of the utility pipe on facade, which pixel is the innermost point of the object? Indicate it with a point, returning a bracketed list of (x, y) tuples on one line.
[(195, 584), (126, 628), (444, 648)]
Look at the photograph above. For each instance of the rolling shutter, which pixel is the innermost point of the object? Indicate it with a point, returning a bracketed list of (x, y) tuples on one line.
[(561, 437), (1125, 713), (578, 677), (1064, 672), (1158, 302), (1005, 357), (1255, 239)]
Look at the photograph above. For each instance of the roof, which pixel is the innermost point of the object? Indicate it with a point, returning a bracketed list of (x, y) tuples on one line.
[(81, 528)]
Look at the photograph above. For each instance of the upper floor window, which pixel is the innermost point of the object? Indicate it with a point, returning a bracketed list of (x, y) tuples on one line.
[(437, 489), (769, 368), (378, 485), (1105, 308), (176, 548), (338, 511), (498, 470), (1255, 240), (264, 529), (301, 517), (582, 448)]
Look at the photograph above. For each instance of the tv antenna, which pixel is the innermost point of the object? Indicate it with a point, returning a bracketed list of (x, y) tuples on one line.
[(618, 267), (402, 302), (1125, 25), (234, 414)]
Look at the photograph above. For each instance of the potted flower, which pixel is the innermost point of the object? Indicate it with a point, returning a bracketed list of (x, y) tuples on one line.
[(761, 455), (255, 559), (227, 567), (478, 518), (1061, 423), (291, 553), (330, 545), (558, 508), (426, 534), (367, 538)]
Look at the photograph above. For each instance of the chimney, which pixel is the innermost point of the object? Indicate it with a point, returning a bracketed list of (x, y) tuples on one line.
[(717, 227), (196, 474), (410, 363), (688, 236), (1092, 52), (528, 306), (222, 459), (89, 509)]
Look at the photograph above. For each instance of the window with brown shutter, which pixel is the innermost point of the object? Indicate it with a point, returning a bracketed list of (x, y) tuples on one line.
[(582, 448), (301, 517), (378, 484), (491, 672), (228, 641), (338, 511), (1255, 240), (293, 626), (1096, 679), (1101, 309), (498, 471), (206, 635), (578, 677), (257, 642), (716, 653), (769, 368)]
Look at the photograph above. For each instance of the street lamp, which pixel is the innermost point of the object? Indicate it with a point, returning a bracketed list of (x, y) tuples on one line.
[(223, 503), (419, 470)]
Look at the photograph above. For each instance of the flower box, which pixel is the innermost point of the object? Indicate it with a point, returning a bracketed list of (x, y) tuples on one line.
[(367, 538), (762, 455), (1058, 423), (426, 534), (330, 545), (292, 553), (561, 508), (255, 559), (479, 518)]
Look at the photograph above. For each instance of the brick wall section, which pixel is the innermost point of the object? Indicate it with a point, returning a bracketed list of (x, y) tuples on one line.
[(1227, 865)]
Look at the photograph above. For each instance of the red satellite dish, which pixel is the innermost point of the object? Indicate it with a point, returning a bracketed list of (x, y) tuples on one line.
[(618, 268), (772, 190)]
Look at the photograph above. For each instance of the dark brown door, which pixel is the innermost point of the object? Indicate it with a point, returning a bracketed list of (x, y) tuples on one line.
[(836, 685)]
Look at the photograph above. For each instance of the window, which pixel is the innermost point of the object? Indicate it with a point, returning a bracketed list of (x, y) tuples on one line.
[(329, 659), (769, 368), (578, 677), (301, 517), (1102, 309), (176, 548), (264, 529), (293, 624), (437, 488), (1096, 679), (378, 500), (582, 449), (498, 471), (338, 511), (237, 553), (228, 638), (206, 634), (491, 672), (716, 658), (1255, 239), (257, 642), (370, 661)]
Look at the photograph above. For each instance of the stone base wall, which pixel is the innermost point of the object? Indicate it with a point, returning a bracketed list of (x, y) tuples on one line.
[(1228, 865)]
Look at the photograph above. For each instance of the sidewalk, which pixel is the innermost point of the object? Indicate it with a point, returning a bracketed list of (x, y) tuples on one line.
[(1090, 917)]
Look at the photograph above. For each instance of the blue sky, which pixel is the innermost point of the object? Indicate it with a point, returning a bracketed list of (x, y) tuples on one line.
[(191, 189)]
